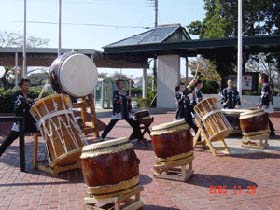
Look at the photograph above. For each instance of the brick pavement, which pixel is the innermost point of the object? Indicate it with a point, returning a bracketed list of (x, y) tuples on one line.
[(35, 190)]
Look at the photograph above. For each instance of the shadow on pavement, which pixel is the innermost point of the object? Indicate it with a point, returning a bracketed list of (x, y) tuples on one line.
[(257, 155), (154, 207), (144, 179), (205, 180)]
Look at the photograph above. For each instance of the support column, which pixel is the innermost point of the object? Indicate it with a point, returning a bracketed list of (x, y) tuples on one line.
[(16, 69), (145, 83), (187, 70), (167, 78)]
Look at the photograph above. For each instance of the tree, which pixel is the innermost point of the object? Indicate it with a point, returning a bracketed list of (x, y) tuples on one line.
[(102, 75), (15, 40), (265, 63), (118, 75), (206, 69), (259, 18)]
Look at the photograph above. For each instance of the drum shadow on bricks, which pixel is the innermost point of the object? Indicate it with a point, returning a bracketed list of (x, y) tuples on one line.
[(257, 155), (145, 179), (207, 181), (154, 207)]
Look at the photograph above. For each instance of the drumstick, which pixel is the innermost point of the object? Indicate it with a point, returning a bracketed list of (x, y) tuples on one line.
[(43, 89), (196, 71)]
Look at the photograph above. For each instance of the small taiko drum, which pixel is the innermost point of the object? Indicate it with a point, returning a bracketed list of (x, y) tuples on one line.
[(57, 124), (172, 140), (205, 106), (141, 114), (74, 74), (232, 116), (254, 122), (110, 168)]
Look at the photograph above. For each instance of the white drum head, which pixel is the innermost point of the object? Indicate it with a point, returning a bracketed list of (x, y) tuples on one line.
[(78, 75)]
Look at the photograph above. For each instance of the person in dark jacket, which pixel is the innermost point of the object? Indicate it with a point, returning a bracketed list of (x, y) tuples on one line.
[(23, 101), (122, 110), (266, 99), (184, 107), (197, 94), (230, 96)]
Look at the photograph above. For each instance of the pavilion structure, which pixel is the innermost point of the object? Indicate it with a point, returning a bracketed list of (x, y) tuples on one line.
[(169, 43)]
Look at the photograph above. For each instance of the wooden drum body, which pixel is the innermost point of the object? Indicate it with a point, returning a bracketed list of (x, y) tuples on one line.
[(216, 125), (74, 74), (205, 106), (214, 122), (58, 126), (110, 168), (254, 122), (172, 141)]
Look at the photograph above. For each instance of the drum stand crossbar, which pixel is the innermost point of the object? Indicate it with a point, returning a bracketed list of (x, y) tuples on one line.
[(127, 201), (206, 141), (258, 140), (91, 126), (174, 170)]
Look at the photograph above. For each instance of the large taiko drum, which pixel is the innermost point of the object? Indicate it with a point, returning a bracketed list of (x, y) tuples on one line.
[(110, 168), (172, 140), (74, 74), (57, 124), (254, 122)]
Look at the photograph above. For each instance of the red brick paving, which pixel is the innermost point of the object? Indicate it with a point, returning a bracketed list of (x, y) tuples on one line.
[(35, 190)]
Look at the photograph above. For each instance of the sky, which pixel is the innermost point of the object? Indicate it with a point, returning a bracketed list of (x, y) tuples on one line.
[(134, 13)]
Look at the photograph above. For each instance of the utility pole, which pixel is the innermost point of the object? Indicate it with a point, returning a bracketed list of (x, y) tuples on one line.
[(156, 13), (154, 83)]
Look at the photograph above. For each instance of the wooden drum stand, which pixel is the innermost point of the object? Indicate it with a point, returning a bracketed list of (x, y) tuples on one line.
[(88, 126), (127, 201), (207, 142)]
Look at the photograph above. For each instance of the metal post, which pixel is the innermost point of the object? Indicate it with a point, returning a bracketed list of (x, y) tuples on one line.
[(59, 28), (239, 50), (21, 145), (24, 71), (16, 69)]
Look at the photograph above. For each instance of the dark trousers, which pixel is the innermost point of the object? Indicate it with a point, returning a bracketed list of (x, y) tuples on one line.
[(133, 123), (8, 141), (270, 124), (191, 123)]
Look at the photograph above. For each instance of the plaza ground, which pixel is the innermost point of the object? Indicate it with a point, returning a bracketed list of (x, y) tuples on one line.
[(237, 173)]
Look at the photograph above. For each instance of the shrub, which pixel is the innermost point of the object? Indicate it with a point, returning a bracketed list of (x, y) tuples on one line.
[(6, 99), (211, 87), (136, 91)]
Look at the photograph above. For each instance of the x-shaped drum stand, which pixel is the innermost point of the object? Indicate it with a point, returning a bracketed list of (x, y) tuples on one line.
[(206, 141)]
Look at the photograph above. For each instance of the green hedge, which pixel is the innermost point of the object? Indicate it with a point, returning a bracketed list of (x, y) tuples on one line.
[(6, 99)]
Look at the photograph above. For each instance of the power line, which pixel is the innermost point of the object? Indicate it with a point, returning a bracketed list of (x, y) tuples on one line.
[(84, 24)]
